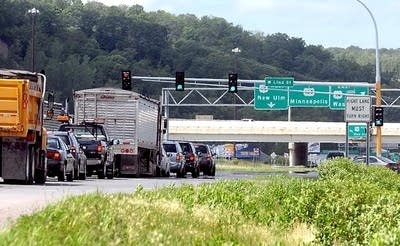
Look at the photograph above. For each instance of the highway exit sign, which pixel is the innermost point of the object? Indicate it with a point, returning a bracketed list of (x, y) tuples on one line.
[(338, 94), (270, 97), (309, 96), (279, 81)]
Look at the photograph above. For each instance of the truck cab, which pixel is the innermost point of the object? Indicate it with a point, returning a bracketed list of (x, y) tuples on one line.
[(94, 140)]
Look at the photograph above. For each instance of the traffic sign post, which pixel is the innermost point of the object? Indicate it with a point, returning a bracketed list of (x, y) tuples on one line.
[(338, 94), (309, 96), (270, 97), (279, 81), (358, 109)]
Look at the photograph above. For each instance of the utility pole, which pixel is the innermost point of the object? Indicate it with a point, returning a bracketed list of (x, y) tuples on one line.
[(33, 12)]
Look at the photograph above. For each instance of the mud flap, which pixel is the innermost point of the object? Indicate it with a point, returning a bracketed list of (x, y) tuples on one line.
[(15, 158)]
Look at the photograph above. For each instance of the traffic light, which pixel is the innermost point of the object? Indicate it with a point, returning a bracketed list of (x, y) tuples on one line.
[(180, 81), (232, 83), (378, 116), (126, 80)]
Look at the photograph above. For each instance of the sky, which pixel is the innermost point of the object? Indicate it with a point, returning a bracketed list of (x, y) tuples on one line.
[(330, 23)]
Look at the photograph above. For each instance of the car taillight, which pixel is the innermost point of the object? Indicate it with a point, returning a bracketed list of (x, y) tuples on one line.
[(191, 157), (178, 157), (99, 149), (54, 154)]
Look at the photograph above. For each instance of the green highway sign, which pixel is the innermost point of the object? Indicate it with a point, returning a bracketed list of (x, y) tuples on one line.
[(357, 131), (309, 96), (338, 94), (270, 97), (279, 81)]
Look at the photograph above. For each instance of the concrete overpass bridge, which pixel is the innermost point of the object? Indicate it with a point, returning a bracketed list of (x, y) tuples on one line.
[(269, 131), (297, 134)]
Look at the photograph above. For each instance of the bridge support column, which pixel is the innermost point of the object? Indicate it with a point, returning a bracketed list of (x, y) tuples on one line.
[(291, 154), (298, 154)]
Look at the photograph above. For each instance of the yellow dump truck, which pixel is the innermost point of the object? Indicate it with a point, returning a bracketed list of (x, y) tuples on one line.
[(23, 138)]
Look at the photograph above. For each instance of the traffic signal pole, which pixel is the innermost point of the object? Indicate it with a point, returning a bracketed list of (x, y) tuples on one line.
[(378, 102), (378, 128)]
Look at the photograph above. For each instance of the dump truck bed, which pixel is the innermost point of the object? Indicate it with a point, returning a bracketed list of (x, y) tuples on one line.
[(21, 94)]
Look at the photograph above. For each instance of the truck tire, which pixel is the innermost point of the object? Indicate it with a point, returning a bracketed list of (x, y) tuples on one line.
[(212, 172), (101, 173), (110, 172), (158, 171), (40, 176), (30, 164), (61, 173)]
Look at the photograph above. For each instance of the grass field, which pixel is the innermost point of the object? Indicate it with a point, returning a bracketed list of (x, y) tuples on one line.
[(349, 205), (249, 166)]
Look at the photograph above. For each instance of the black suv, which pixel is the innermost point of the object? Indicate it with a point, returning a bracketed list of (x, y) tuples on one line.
[(206, 159), (94, 140), (192, 161)]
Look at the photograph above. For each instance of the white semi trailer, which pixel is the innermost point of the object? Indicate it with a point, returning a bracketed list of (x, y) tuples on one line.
[(133, 123)]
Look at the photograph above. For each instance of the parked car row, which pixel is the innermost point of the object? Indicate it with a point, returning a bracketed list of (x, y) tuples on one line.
[(190, 157)]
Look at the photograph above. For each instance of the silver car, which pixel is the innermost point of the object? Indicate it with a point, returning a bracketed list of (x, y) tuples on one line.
[(60, 162), (71, 141), (176, 157), (165, 164)]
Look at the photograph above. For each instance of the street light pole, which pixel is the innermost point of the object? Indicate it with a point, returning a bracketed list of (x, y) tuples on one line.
[(378, 86), (33, 12)]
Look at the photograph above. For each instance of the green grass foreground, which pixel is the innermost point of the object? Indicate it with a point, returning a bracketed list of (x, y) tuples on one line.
[(349, 205)]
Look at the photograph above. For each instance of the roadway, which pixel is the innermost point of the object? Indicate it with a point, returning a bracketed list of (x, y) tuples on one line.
[(17, 200)]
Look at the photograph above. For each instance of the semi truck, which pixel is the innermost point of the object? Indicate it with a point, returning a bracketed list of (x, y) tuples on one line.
[(23, 139), (133, 123)]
